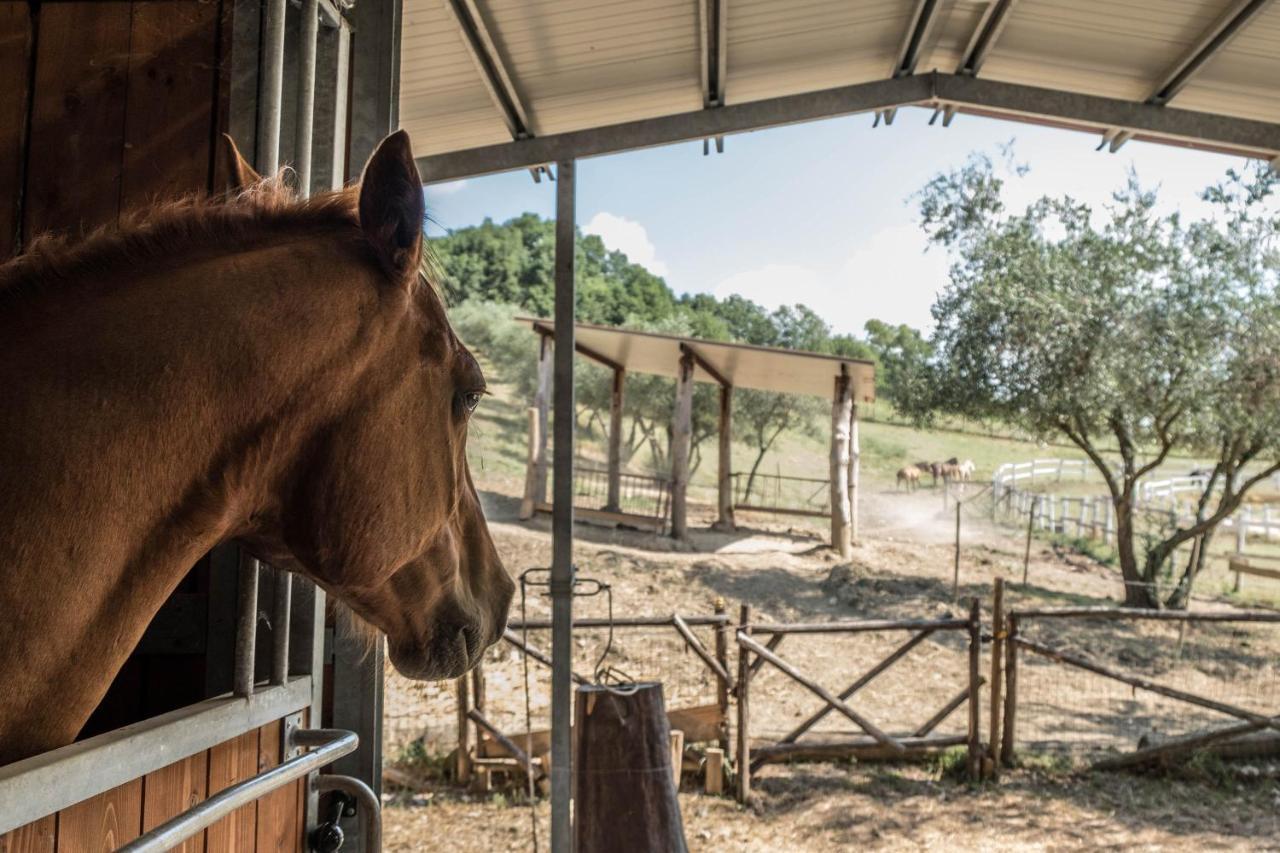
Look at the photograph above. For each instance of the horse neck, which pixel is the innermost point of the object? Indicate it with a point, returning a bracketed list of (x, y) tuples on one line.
[(148, 422)]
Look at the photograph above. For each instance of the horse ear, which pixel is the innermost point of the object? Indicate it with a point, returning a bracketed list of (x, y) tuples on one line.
[(239, 173), (392, 207)]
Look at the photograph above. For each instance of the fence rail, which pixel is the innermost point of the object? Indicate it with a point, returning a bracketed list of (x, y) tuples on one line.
[(780, 493)]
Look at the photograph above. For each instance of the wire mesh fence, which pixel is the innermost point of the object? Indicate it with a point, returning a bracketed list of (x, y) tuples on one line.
[(1154, 679)]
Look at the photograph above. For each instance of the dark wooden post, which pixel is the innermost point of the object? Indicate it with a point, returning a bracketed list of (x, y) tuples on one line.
[(462, 766), (681, 438), (744, 717), (975, 689), (724, 519), (614, 501), (997, 661), (542, 402), (722, 689), (625, 798), (841, 413), (1010, 690)]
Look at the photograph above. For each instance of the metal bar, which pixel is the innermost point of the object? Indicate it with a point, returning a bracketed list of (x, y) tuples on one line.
[(985, 36), (682, 628), (329, 744), (1210, 43), (621, 622), (916, 36), (821, 692), (860, 626), (283, 608), (562, 570), (493, 72), (271, 90), (1072, 110), (44, 784), (246, 626), (367, 805), (304, 123)]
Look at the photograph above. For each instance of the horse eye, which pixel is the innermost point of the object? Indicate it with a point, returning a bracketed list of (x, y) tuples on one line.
[(471, 399)]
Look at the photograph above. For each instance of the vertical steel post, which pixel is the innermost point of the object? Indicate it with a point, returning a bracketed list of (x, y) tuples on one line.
[(271, 92), (308, 37), (246, 626), (562, 518), (281, 612)]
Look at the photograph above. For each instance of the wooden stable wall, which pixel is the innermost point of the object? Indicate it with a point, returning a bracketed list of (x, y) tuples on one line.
[(107, 105), (273, 823)]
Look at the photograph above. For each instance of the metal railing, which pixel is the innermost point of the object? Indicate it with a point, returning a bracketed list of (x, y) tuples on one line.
[(638, 494), (327, 745), (780, 493)]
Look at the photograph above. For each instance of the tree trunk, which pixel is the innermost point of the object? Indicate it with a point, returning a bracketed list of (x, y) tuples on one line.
[(1139, 590), (1180, 598)]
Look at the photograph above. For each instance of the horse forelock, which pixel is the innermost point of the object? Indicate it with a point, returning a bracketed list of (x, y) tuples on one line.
[(167, 230)]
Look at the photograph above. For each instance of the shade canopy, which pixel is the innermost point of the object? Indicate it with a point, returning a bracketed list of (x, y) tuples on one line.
[(513, 84), (739, 365)]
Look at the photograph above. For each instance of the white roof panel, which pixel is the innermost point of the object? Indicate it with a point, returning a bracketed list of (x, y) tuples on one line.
[(583, 64)]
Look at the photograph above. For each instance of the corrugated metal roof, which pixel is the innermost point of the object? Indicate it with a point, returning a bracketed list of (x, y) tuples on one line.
[(580, 64), (743, 365)]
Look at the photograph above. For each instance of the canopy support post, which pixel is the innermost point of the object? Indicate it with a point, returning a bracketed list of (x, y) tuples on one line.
[(855, 471), (614, 501), (681, 437), (562, 518), (724, 520), (841, 411)]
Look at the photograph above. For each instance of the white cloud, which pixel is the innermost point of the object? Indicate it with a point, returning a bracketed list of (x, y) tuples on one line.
[(889, 277), (629, 237), (447, 188)]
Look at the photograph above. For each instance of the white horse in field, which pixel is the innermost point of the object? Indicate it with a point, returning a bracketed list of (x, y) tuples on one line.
[(966, 470)]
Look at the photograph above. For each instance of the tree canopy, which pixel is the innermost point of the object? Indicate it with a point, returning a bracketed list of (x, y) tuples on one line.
[(1131, 333)]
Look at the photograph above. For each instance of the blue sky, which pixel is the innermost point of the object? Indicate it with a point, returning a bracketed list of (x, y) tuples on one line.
[(816, 213)]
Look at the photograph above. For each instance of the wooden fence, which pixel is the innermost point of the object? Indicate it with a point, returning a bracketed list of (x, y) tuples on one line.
[(915, 742), (1011, 643)]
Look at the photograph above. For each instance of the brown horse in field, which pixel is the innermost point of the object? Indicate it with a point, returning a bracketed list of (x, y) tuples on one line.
[(254, 367), (910, 477)]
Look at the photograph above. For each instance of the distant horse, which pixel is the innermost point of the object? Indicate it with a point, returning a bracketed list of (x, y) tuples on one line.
[(949, 472), (966, 470), (928, 468), (256, 368), (910, 477)]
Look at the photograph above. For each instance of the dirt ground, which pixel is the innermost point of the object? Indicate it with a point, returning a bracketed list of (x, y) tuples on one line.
[(902, 568)]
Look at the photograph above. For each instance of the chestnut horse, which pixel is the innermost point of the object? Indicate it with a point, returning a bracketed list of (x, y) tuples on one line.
[(257, 368)]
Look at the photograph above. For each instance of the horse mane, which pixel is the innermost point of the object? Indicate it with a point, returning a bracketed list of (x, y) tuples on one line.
[(157, 233)]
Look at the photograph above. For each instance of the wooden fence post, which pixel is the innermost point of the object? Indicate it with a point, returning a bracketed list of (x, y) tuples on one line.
[(1031, 520), (722, 689), (532, 472), (744, 692), (997, 661), (462, 765), (1010, 690), (681, 435), (542, 404), (975, 689), (714, 783)]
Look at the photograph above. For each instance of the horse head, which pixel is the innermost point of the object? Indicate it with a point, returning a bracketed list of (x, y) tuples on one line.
[(379, 507)]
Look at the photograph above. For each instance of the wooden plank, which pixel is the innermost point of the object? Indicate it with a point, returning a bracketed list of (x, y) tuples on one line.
[(231, 762), (17, 38), (104, 822), (171, 790), (277, 811), (78, 117), (1246, 567), (35, 837), (696, 645), (173, 71), (863, 749)]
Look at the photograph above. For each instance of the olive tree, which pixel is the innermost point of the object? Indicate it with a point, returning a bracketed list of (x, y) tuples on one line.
[(1130, 333)]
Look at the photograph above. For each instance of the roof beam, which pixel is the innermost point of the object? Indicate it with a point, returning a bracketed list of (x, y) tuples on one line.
[(713, 28), (580, 348), (985, 35), (917, 35), (1213, 40), (705, 365), (493, 72)]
